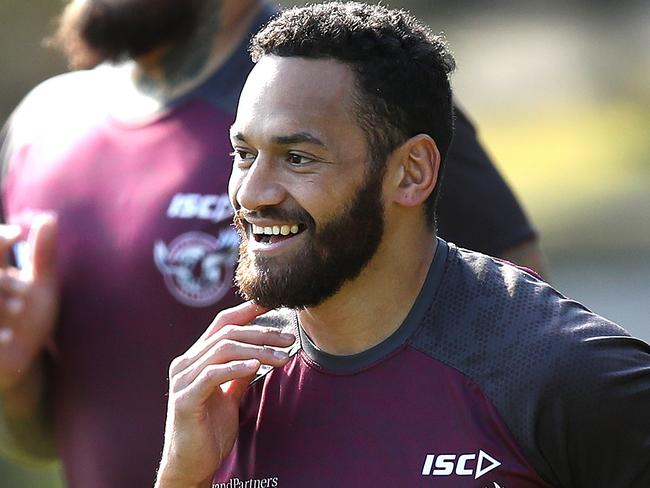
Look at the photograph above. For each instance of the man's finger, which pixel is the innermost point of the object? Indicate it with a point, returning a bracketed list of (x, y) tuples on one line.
[(226, 352), (219, 376), (42, 243), (240, 315), (249, 335), (9, 234)]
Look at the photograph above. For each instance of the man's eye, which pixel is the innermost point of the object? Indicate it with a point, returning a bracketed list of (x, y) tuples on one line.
[(241, 155), (299, 159)]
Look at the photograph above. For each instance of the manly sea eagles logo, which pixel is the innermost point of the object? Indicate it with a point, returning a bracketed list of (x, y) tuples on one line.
[(198, 267)]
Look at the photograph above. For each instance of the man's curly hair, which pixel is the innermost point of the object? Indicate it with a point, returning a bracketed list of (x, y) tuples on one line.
[(401, 68)]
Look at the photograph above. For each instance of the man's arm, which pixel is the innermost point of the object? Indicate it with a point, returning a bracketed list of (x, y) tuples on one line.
[(28, 312), (594, 429), (478, 210), (206, 385), (29, 299), (529, 255)]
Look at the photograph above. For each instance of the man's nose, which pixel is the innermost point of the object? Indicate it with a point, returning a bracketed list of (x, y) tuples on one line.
[(260, 185)]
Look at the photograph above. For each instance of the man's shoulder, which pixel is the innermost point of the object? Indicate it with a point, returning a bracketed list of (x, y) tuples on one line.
[(516, 336), (65, 88), (62, 99)]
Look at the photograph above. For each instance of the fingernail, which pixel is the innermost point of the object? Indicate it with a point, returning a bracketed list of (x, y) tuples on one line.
[(286, 335), (280, 355)]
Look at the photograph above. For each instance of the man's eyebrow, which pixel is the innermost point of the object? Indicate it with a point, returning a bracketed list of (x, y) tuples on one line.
[(237, 135), (297, 138)]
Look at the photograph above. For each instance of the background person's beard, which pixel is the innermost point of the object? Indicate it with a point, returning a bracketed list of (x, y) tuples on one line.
[(94, 31), (335, 253)]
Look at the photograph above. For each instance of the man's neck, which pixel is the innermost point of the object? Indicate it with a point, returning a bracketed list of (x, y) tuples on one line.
[(171, 71), (371, 307)]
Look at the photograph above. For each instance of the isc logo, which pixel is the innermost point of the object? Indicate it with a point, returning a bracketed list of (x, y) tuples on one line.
[(193, 205), (459, 464)]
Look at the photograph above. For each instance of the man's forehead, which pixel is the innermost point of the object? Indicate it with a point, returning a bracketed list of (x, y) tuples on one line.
[(291, 91), (296, 79)]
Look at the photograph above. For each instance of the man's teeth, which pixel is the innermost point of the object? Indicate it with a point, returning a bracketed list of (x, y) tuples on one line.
[(275, 230)]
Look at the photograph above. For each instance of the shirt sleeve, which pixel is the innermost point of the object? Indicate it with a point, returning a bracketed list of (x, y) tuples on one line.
[(477, 210), (594, 431)]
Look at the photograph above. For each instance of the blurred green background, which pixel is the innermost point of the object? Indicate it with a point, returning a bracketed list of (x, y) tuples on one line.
[(560, 91)]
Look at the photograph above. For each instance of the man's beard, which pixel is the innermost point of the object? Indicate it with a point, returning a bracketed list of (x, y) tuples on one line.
[(335, 253), (93, 31)]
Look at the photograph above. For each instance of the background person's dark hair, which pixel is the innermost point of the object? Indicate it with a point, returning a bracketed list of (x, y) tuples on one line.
[(402, 70), (95, 31)]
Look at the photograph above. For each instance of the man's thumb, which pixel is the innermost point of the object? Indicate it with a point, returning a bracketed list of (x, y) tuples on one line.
[(42, 241)]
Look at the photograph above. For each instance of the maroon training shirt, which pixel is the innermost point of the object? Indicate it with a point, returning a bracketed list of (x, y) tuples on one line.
[(494, 380)]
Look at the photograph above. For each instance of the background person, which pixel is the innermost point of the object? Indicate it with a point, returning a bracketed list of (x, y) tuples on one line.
[(133, 161)]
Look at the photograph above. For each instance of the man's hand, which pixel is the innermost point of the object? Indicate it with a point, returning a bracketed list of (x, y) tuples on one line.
[(205, 388), (29, 300)]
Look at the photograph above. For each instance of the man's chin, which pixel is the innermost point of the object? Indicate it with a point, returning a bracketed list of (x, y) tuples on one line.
[(275, 289)]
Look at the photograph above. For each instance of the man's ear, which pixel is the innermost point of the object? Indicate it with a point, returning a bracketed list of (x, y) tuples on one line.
[(417, 171)]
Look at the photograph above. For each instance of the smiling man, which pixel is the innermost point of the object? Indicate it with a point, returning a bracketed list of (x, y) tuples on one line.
[(410, 361), (133, 158)]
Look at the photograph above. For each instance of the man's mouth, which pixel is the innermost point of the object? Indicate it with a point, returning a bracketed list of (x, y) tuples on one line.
[(274, 233)]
